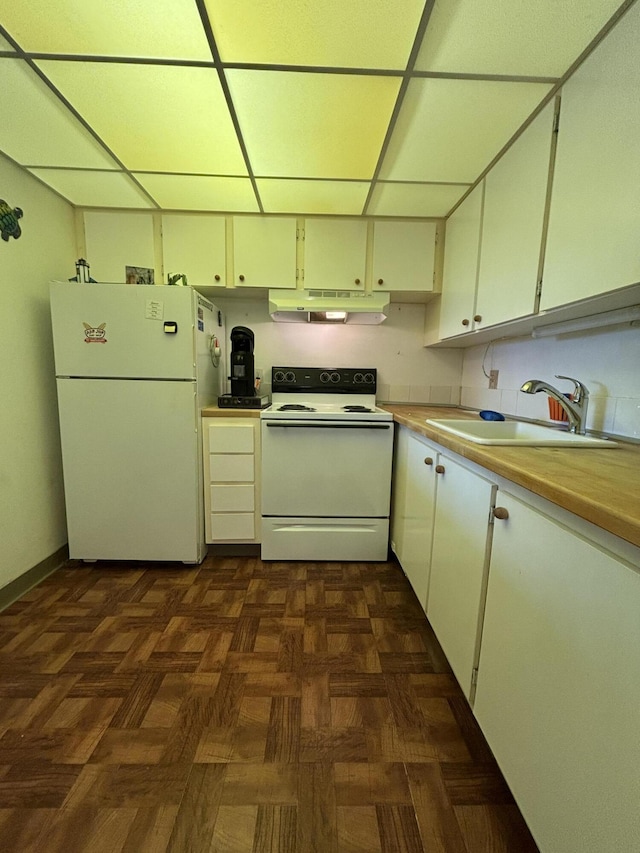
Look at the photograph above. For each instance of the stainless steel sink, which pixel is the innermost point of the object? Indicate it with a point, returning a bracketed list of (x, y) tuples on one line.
[(515, 433)]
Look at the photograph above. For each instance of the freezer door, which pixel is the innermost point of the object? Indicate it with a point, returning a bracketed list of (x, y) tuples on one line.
[(131, 462), (124, 330)]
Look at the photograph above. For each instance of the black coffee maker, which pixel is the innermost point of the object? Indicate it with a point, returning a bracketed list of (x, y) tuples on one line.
[(242, 369)]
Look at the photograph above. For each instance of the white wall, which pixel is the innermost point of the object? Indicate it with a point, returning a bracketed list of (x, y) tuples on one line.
[(606, 361), (32, 519), (407, 372)]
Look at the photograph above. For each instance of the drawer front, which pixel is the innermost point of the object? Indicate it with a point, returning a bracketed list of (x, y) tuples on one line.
[(234, 438), (232, 525), (231, 469), (232, 498)]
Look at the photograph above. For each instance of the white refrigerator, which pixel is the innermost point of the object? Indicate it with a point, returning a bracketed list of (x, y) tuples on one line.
[(134, 365)]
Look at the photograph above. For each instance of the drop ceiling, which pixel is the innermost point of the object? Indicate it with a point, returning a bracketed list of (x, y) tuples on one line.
[(340, 107)]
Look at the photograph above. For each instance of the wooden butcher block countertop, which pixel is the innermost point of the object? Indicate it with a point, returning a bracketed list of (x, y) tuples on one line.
[(601, 486), (217, 412)]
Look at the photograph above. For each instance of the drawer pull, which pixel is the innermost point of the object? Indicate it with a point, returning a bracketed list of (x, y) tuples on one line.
[(439, 469), (501, 512)]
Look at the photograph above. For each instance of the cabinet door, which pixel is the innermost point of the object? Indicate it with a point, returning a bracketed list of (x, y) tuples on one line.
[(460, 275), (118, 240), (594, 221), (404, 256), (459, 564), (512, 223), (558, 693), (419, 510), (335, 253), (195, 246), (399, 491), (264, 251)]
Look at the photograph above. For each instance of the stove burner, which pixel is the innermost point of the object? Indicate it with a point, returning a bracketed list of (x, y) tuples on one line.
[(356, 409), (295, 407)]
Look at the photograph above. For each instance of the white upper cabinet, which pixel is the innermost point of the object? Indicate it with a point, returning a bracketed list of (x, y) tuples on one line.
[(512, 226), (461, 253), (194, 246), (404, 256), (118, 240), (264, 251), (594, 226), (335, 254)]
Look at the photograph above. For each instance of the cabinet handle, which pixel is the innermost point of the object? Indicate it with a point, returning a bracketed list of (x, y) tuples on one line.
[(477, 318), (439, 469), (501, 512), (217, 277), (428, 460), (465, 322), (357, 281), (241, 277), (380, 281)]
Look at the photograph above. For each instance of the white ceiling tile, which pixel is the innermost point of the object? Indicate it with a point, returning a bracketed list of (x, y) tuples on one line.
[(94, 189), (146, 28), (161, 118), (450, 130), (334, 197), (313, 125), (342, 33), (424, 200), (39, 130), (4, 44), (200, 192), (512, 37)]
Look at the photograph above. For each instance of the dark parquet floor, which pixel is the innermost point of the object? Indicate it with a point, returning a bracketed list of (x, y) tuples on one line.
[(239, 707)]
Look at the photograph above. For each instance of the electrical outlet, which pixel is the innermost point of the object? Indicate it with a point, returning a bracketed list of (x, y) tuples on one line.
[(493, 379)]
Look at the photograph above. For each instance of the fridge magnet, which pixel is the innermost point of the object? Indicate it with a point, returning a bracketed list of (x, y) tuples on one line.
[(9, 221), (138, 275), (94, 334)]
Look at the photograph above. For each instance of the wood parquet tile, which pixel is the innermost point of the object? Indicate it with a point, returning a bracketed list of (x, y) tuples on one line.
[(239, 707)]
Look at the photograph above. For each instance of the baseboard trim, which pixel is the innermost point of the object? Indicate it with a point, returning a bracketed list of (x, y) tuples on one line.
[(32, 577)]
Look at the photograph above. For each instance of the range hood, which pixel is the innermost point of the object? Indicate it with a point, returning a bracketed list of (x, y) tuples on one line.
[(328, 306)]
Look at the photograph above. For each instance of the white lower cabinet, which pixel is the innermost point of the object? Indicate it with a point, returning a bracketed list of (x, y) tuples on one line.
[(232, 486), (414, 502), (459, 565), (538, 613), (558, 694), (440, 535)]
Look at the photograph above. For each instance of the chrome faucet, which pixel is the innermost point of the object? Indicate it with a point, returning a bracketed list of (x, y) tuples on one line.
[(576, 408)]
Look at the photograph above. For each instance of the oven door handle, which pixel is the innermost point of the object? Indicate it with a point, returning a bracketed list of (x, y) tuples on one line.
[(327, 425)]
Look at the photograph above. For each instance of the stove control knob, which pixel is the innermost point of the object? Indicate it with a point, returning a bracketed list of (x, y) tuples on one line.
[(335, 377), (358, 378), (325, 377), (290, 376), (368, 378), (279, 376)]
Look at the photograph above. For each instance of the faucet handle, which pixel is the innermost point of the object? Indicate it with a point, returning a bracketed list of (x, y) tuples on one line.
[(580, 391)]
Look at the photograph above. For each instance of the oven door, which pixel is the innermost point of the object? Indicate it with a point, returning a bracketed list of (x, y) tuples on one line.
[(326, 469)]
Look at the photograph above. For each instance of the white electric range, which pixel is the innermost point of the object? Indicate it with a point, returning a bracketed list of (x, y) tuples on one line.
[(326, 466)]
